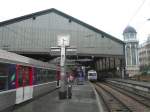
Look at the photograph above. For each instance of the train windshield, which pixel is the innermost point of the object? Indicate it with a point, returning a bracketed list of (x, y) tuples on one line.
[(92, 74)]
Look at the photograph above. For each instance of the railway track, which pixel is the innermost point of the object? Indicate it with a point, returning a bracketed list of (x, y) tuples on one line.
[(139, 98), (111, 103), (116, 101)]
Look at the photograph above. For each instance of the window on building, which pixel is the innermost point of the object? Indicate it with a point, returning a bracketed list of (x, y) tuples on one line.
[(126, 37), (132, 35)]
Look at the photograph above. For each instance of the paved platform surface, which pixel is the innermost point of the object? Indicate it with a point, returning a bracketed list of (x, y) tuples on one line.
[(83, 100)]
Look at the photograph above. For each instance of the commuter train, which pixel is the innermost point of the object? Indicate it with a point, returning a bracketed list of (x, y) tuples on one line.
[(92, 75), (23, 78)]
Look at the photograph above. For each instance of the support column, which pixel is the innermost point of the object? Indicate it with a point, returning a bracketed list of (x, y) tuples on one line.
[(126, 54), (131, 53), (136, 51), (109, 63), (125, 60), (146, 59), (121, 69), (99, 64), (63, 89), (114, 64), (100, 67), (102, 64), (105, 64)]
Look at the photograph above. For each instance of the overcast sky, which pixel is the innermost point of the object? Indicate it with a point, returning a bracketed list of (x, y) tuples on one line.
[(110, 16)]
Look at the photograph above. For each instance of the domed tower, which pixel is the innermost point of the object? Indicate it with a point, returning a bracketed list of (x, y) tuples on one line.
[(148, 38), (131, 50)]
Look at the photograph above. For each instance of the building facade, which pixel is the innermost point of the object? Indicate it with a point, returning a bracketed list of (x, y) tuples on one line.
[(34, 35), (144, 53), (131, 51)]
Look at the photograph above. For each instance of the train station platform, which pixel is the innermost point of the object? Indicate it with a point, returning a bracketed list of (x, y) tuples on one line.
[(83, 100)]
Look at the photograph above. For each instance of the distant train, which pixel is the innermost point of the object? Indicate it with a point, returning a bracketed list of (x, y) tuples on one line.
[(92, 75), (23, 78)]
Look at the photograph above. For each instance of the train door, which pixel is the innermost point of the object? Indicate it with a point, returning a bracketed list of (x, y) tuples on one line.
[(24, 79)]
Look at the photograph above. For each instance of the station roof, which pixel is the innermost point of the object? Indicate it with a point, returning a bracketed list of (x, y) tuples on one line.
[(44, 12)]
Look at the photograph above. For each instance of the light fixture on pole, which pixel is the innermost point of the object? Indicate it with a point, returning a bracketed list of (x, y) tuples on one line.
[(63, 47)]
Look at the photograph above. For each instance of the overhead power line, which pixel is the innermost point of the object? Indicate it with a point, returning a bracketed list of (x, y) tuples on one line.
[(137, 11)]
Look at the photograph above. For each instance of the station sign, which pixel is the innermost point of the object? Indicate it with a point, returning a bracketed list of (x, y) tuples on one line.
[(57, 50), (69, 49), (63, 40)]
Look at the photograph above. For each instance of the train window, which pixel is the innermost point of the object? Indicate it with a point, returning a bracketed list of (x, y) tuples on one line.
[(26, 79), (20, 77), (44, 75), (51, 75), (3, 77), (23, 76), (92, 74), (38, 78), (12, 76), (39, 75)]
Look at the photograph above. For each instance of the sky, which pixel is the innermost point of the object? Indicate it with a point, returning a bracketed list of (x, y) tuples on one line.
[(110, 16)]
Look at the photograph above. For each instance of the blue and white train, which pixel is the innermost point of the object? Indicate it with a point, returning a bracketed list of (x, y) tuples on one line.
[(92, 75)]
